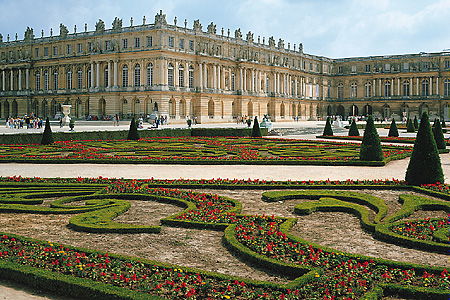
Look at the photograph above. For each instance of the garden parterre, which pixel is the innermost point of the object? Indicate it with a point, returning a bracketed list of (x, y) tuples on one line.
[(322, 273)]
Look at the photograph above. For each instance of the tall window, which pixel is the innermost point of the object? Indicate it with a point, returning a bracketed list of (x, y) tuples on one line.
[(55, 50), (89, 78), (446, 87), (340, 91), (137, 75), (79, 79), (367, 68), (149, 41), (69, 49), (125, 43), (191, 45), (90, 46), (107, 45), (387, 89), (425, 90), (353, 89), (367, 90), (38, 81), (125, 76), (106, 76), (46, 80), (170, 75), (45, 51), (79, 48), (137, 42), (233, 81), (406, 88), (69, 79), (181, 44), (181, 75), (267, 84), (171, 41), (191, 77), (149, 74), (55, 80)]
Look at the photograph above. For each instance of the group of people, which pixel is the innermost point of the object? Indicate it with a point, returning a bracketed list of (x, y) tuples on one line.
[(26, 121), (242, 119), (116, 120)]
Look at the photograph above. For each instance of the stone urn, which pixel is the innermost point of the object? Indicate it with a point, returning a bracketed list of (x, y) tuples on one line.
[(66, 113)]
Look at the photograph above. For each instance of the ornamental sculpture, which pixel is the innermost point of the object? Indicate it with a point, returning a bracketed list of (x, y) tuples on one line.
[(280, 44), (271, 42), (160, 19), (212, 28), (100, 26), (238, 34), (29, 35), (249, 37), (197, 26), (63, 31), (117, 24)]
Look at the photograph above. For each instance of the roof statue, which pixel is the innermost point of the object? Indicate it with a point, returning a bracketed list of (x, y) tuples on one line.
[(100, 26), (212, 28), (63, 31), (160, 19), (117, 24)]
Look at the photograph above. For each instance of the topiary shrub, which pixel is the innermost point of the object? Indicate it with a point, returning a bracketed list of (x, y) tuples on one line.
[(47, 137), (393, 130), (328, 131), (371, 145), (425, 165), (133, 133), (438, 135), (416, 123), (443, 124), (353, 131), (256, 131), (410, 126)]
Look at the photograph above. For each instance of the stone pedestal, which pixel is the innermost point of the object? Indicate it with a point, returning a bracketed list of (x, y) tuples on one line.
[(66, 113)]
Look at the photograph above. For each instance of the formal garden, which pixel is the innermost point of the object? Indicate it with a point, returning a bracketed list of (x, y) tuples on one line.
[(111, 238)]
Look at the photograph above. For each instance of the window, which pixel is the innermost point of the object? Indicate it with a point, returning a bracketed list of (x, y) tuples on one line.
[(37, 52), (310, 66), (191, 77), (137, 75), (107, 45), (387, 67), (353, 69), (367, 90), (45, 51), (191, 45), (170, 75), (446, 64), (181, 43), (69, 79), (405, 66), (79, 48), (149, 74), (90, 47), (149, 41), (233, 81), (406, 88), (38, 81), (125, 43), (267, 85), (69, 49), (387, 88), (340, 70), (46, 81), (79, 79), (446, 87), (424, 65), (304, 65), (340, 91), (353, 90), (106, 77), (171, 41), (181, 76), (367, 68), (89, 78), (125, 76), (55, 80), (137, 42), (425, 90)]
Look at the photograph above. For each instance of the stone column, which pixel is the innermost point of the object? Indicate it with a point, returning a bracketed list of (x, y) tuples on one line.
[(27, 77), (374, 87), (175, 74), (92, 75), (214, 83), (20, 79), (12, 80), (274, 82), (380, 88), (253, 81), (219, 78), (200, 75), (392, 87), (245, 79), (109, 74), (411, 87), (241, 80), (278, 83), (3, 80), (431, 86), (437, 86), (296, 86), (115, 73), (186, 75), (417, 86), (398, 87), (98, 75), (205, 74)]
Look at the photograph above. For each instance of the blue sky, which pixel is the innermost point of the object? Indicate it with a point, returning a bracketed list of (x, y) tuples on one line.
[(331, 28)]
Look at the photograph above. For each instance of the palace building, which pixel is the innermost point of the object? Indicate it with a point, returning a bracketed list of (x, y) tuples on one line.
[(214, 76)]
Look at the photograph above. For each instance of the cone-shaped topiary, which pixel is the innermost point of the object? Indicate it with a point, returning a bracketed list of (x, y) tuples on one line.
[(443, 124), (416, 123), (438, 135), (425, 165), (256, 131), (353, 131), (47, 137), (393, 130), (371, 145), (133, 133), (328, 131), (410, 126)]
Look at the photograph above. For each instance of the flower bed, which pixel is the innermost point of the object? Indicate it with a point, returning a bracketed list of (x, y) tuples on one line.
[(420, 229)]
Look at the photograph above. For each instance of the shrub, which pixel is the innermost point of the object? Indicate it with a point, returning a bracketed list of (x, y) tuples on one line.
[(256, 131), (416, 123), (438, 135), (133, 133), (328, 131), (443, 123), (393, 131), (371, 145), (425, 165), (47, 137), (353, 131), (410, 126)]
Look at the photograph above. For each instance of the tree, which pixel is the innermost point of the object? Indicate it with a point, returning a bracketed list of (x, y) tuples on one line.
[(393, 130), (371, 144), (416, 123), (133, 133), (256, 131), (410, 126), (425, 165), (443, 123), (353, 131), (328, 131), (438, 135), (47, 136)]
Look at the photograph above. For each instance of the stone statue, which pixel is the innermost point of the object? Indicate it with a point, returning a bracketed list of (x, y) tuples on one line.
[(197, 26), (131, 22), (212, 28), (185, 23), (143, 20), (1, 38), (29, 35), (100, 26), (75, 29), (238, 34), (63, 31), (175, 21), (300, 47), (117, 24), (249, 37), (280, 44), (160, 19)]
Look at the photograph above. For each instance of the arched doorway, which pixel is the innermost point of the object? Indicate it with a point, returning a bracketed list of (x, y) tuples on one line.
[(250, 108), (172, 111), (353, 111), (124, 108), (446, 112), (423, 108), (367, 110), (44, 109), (340, 111), (211, 108), (14, 108), (329, 110), (386, 111), (182, 106), (282, 110), (102, 107), (136, 107), (78, 109), (6, 110), (35, 108)]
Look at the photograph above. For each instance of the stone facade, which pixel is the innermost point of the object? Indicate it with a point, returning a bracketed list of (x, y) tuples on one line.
[(213, 75)]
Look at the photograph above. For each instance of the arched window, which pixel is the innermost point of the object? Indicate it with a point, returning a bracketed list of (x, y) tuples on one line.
[(181, 75), (353, 88), (69, 79), (170, 75), (55, 80), (46, 80), (79, 79), (340, 91), (367, 90), (125, 76), (406, 88), (38, 81), (425, 88), (191, 77), (89, 78), (446, 87), (387, 88), (149, 74), (137, 75)]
